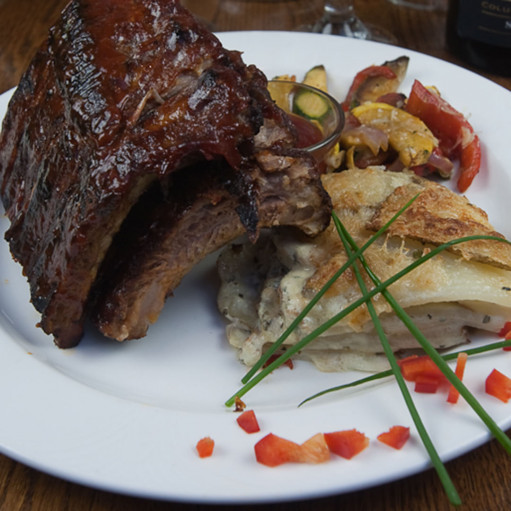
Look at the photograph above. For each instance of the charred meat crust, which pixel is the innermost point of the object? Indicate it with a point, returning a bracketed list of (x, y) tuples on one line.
[(121, 95), (168, 232)]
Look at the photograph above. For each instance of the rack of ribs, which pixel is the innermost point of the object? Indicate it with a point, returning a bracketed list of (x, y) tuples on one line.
[(134, 145)]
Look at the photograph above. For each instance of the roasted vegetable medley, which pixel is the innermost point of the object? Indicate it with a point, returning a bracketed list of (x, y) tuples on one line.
[(420, 131)]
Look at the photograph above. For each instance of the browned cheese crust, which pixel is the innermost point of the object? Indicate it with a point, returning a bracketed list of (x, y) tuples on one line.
[(438, 216)]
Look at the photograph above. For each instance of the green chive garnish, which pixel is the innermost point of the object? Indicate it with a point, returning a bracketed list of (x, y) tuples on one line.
[(445, 479), (433, 353), (386, 374), (294, 324), (292, 350), (356, 254)]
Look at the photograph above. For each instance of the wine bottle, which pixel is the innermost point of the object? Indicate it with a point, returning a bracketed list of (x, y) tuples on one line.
[(479, 32)]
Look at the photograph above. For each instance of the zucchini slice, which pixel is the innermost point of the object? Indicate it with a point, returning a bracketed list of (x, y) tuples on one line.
[(316, 77), (310, 105)]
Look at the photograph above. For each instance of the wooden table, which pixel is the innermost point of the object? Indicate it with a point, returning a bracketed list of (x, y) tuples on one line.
[(481, 476)]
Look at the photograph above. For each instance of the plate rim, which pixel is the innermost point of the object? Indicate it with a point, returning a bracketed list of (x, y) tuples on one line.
[(15, 356)]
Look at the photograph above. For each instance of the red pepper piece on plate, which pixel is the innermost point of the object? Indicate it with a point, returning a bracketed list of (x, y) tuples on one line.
[(506, 333), (425, 384), (395, 437), (273, 450), (421, 367), (248, 422), (347, 443), (205, 447), (461, 362), (498, 385)]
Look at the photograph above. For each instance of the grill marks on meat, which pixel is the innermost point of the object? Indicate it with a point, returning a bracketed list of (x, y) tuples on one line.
[(124, 94)]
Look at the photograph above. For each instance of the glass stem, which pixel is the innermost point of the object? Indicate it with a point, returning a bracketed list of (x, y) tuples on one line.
[(340, 18), (340, 8)]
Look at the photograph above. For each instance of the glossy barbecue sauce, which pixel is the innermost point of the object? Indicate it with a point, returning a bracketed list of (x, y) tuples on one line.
[(308, 133)]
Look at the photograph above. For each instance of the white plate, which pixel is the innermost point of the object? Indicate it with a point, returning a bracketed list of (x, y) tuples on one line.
[(126, 417)]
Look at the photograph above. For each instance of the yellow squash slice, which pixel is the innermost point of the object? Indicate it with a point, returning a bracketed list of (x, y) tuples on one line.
[(408, 135)]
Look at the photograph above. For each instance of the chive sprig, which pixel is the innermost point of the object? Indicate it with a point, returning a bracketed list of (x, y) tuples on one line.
[(250, 383), (356, 256), (445, 479)]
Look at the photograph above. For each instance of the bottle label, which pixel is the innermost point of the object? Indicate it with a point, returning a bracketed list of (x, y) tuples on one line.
[(487, 21)]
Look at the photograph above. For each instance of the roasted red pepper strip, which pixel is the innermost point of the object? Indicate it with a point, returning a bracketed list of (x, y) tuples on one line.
[(461, 362), (361, 77), (470, 163), (455, 134), (498, 385), (395, 437)]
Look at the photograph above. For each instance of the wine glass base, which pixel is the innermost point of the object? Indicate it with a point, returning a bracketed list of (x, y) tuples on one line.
[(355, 28)]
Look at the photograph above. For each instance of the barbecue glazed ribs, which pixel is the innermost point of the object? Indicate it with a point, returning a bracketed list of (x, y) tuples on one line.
[(134, 145)]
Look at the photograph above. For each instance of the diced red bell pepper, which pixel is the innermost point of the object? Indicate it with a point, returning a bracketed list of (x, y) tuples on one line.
[(421, 367), (347, 443), (361, 77), (273, 450), (425, 384), (455, 134), (498, 385), (506, 333), (461, 362), (248, 422), (395, 437), (205, 447)]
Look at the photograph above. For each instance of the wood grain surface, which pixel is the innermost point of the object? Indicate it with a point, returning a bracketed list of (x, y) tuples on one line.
[(481, 476)]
